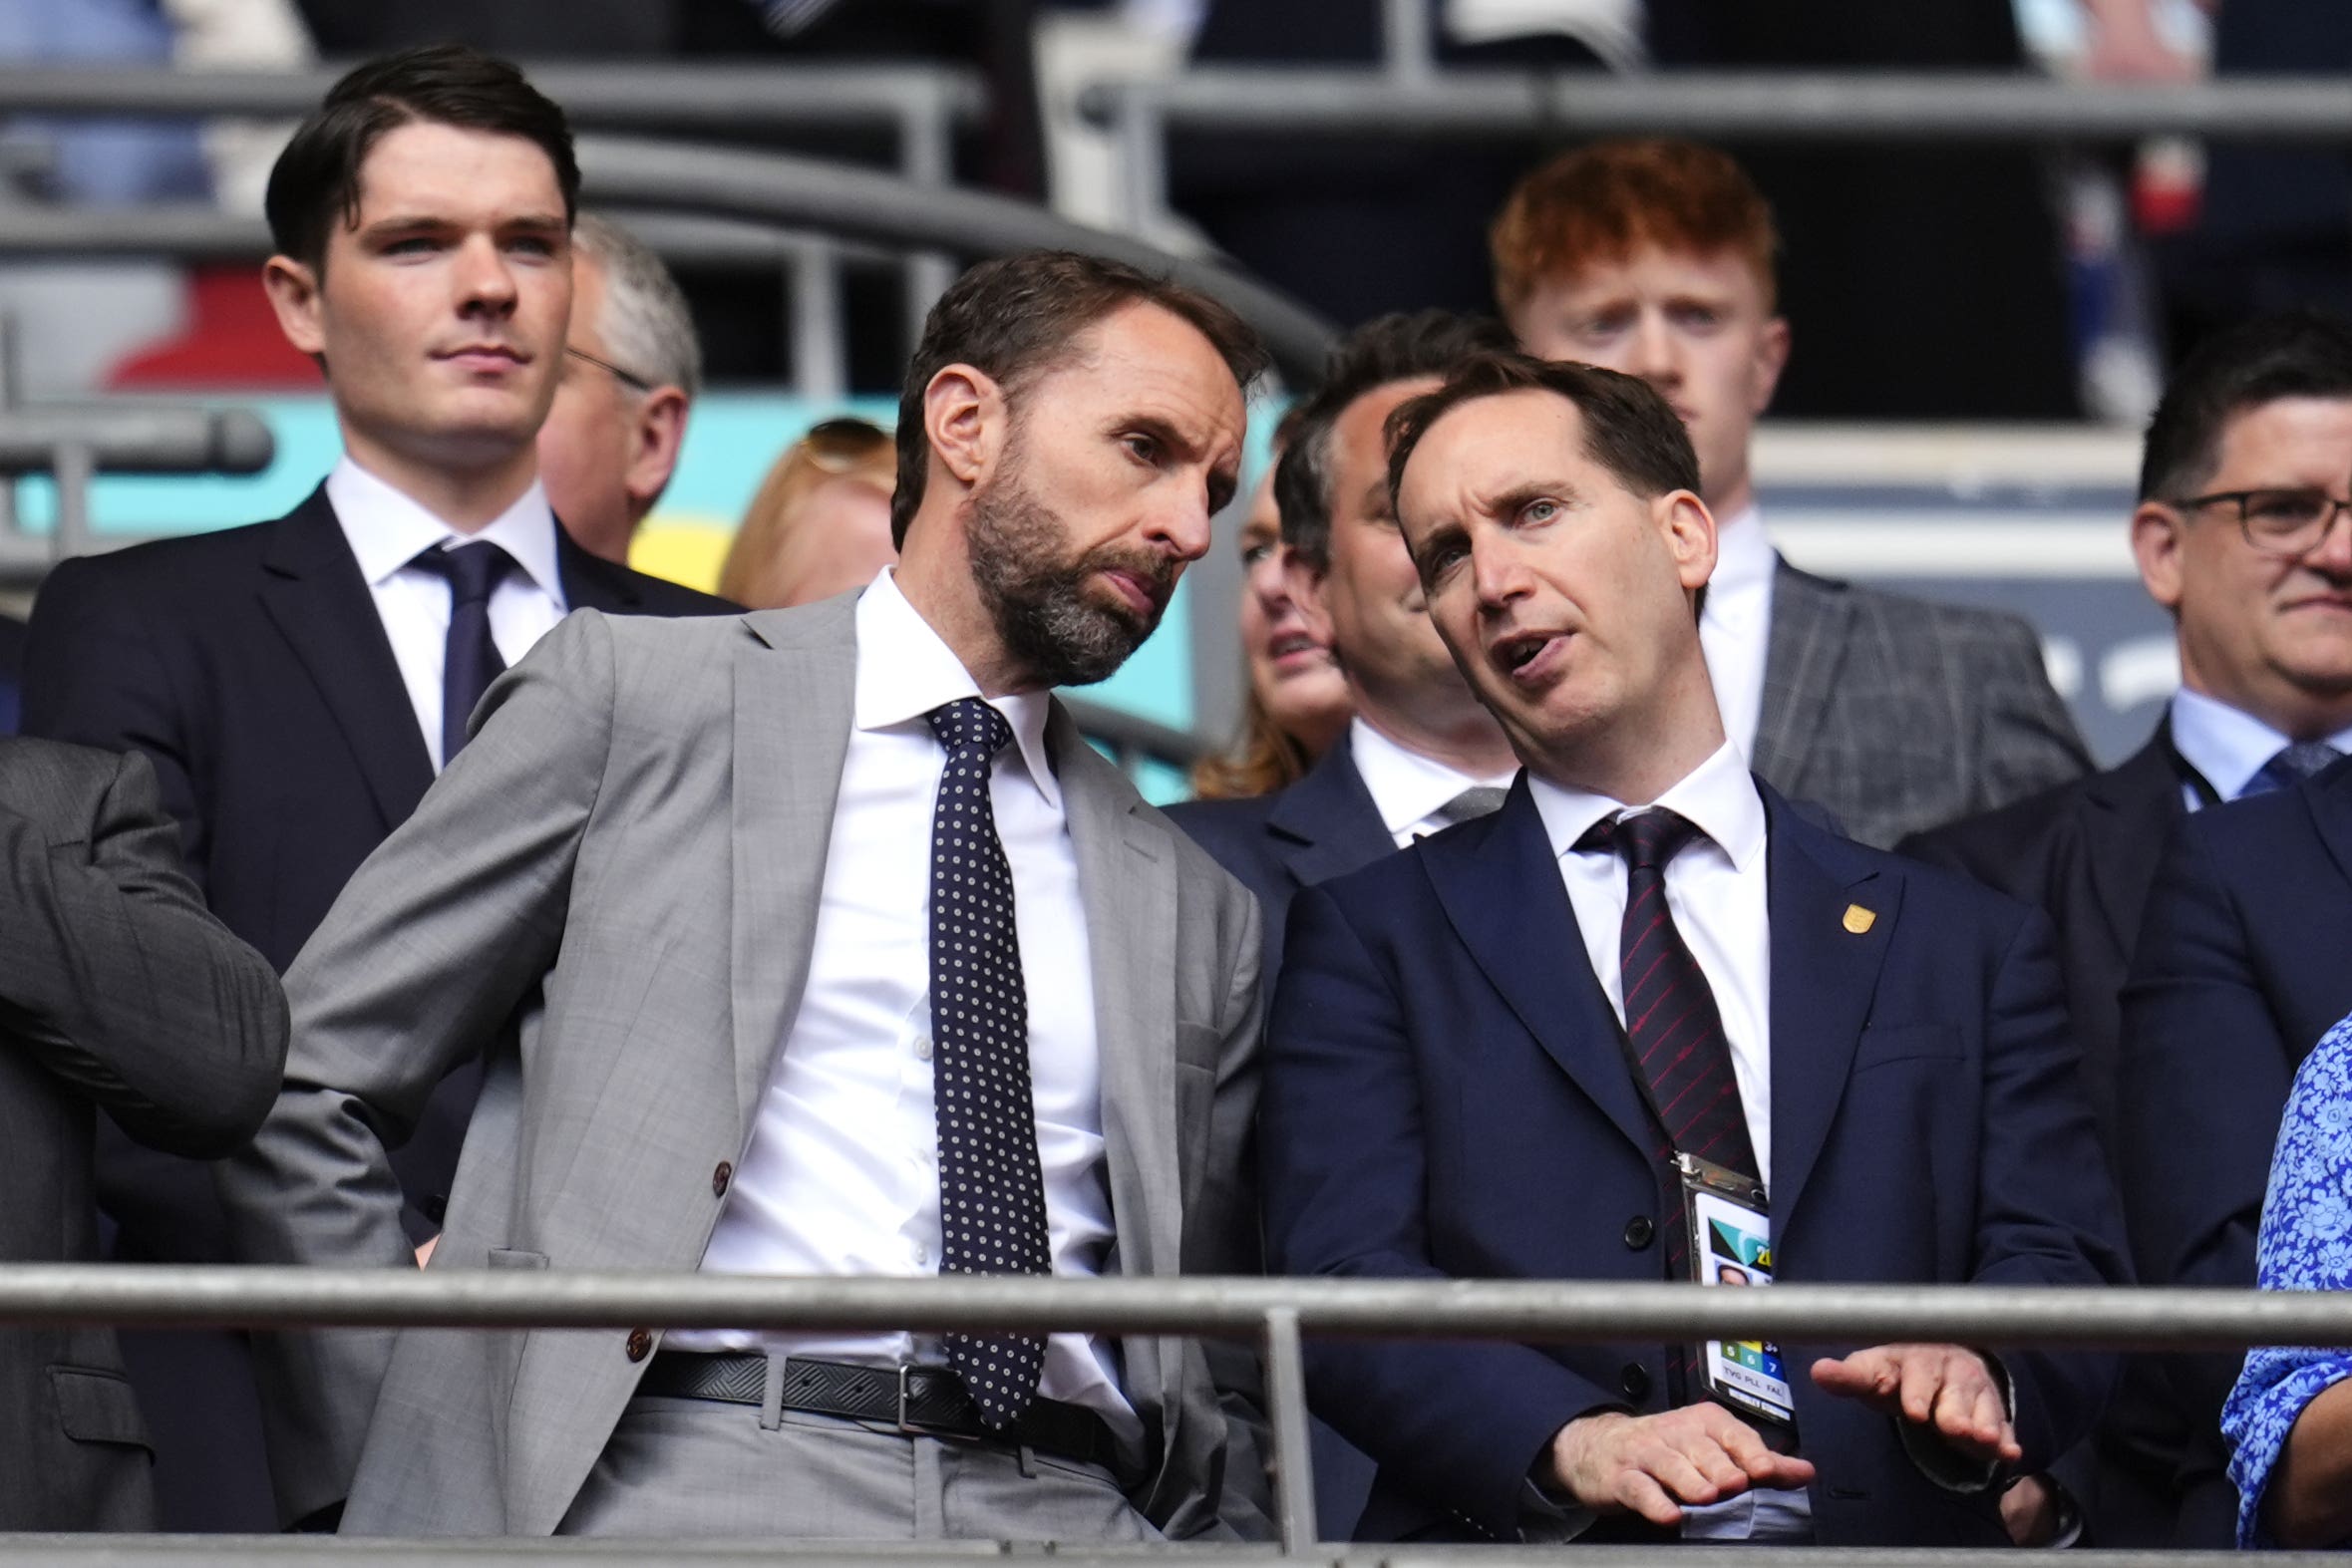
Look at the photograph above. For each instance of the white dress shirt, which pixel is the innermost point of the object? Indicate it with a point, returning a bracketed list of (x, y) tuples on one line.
[(387, 530), (841, 1176), (1408, 789), (2226, 746), (1717, 891), (1734, 626)]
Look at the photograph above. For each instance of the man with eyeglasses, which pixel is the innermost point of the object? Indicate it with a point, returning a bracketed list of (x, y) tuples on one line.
[(299, 683), (632, 369), (2243, 926)]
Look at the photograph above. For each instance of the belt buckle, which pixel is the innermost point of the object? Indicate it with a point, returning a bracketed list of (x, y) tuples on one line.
[(906, 1426)]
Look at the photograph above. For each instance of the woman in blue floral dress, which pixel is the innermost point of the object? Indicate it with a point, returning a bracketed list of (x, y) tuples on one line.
[(2289, 1419)]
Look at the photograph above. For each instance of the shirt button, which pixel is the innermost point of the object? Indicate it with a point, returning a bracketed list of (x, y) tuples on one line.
[(720, 1177), (1638, 1231), (923, 1048), (1634, 1379), (923, 1255), (640, 1344)]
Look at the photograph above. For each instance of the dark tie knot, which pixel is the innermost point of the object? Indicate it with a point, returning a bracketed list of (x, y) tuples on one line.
[(972, 726), (1647, 839), (2303, 759), (473, 569)]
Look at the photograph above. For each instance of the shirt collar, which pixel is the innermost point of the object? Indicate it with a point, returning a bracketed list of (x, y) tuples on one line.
[(386, 528), (1744, 556), (1718, 798), (1405, 785), (904, 670), (2227, 745)]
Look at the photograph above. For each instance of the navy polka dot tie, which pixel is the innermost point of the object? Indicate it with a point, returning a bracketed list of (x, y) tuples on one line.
[(991, 1190)]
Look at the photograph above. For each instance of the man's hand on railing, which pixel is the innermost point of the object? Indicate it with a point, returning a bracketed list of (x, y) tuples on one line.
[(1945, 1387), (1652, 1464)]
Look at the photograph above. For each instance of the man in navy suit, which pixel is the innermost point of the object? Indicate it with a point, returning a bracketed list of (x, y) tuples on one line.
[(1420, 741), (298, 684), (1485, 1053)]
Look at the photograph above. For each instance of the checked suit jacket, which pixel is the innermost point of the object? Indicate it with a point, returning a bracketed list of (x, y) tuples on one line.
[(630, 852)]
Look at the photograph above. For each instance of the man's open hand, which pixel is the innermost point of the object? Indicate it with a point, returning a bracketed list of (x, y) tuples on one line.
[(1941, 1386), (1652, 1464)]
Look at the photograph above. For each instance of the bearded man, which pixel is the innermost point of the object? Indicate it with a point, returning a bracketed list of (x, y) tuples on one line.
[(833, 950)]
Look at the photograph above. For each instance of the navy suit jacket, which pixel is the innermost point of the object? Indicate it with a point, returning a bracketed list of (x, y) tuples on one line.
[(2244, 961), (1322, 827), (1447, 1097)]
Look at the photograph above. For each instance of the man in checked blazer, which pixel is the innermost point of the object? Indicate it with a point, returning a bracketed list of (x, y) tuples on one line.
[(692, 856), (1655, 258)]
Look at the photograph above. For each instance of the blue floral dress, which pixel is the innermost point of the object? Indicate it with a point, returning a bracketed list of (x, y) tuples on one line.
[(2306, 1244)]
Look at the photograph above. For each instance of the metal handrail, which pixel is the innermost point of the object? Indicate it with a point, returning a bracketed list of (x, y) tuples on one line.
[(1750, 105)]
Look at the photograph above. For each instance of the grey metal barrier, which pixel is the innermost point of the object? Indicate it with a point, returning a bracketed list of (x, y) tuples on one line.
[(1409, 99), (1276, 1312)]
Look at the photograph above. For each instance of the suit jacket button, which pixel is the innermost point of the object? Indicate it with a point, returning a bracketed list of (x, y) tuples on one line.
[(640, 1343), (1634, 1379), (1638, 1231), (720, 1177)]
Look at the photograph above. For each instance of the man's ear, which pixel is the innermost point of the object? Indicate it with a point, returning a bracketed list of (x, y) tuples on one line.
[(293, 289), (655, 438), (964, 417), (1305, 582), (1689, 530), (2159, 540)]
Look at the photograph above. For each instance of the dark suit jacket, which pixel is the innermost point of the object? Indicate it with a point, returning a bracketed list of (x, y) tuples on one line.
[(2082, 853), (251, 667), (1897, 715), (2244, 961), (1322, 827), (1447, 1097), (117, 990)]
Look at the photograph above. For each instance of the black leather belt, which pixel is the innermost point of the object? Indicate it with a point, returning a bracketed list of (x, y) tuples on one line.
[(930, 1401)]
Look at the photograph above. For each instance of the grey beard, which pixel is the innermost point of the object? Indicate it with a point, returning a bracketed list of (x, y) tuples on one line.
[(1037, 599)]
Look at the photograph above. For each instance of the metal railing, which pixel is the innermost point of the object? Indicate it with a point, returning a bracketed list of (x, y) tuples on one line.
[(1275, 1312)]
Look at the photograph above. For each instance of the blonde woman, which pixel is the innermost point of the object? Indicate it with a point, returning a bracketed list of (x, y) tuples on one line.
[(820, 523)]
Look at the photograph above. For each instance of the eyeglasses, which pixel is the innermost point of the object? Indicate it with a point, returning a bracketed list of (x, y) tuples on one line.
[(839, 444), (2280, 523), (625, 377)]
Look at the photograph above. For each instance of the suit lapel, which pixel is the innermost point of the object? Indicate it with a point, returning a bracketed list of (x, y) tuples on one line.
[(2125, 814), (1327, 822), (1824, 978), (593, 583), (795, 690), (1806, 645), (312, 590), (1501, 890)]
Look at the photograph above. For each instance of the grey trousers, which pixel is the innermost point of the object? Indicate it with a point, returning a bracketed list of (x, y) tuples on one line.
[(678, 1467)]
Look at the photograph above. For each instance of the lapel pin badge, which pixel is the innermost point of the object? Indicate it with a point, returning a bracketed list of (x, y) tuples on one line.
[(1859, 919)]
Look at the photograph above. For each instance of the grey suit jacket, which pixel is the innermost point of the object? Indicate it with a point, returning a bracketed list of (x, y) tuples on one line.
[(1898, 715), (628, 857), (117, 990)]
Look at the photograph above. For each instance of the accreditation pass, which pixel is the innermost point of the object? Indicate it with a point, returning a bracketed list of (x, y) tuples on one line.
[(1731, 1244)]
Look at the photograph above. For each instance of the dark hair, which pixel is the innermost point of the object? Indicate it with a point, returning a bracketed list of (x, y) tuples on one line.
[(1629, 429), (1399, 347), (2293, 353), (315, 182), (1017, 317)]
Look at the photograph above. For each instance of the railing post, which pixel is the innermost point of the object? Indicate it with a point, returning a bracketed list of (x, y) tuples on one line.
[(927, 155), (1404, 35), (819, 357), (1295, 1460)]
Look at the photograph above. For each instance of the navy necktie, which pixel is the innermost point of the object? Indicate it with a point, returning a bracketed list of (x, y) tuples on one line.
[(469, 659), (992, 1216), (2290, 765)]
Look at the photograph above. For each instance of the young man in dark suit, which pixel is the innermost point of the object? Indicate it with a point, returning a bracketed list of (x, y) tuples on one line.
[(298, 684), (1656, 258), (2265, 696), (119, 992), (1486, 1054)]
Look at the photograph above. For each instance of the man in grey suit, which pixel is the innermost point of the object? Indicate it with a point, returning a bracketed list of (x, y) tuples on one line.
[(748, 888), (117, 991), (1655, 258)]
